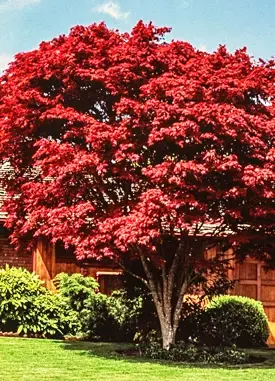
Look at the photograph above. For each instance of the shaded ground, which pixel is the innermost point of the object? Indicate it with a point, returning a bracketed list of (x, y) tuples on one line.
[(34, 359)]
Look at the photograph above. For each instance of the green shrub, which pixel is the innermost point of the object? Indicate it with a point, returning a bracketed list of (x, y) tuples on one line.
[(190, 353), (95, 320), (27, 307), (89, 305), (101, 317), (126, 313), (76, 288), (144, 316), (106, 318), (144, 337), (49, 316), (228, 320)]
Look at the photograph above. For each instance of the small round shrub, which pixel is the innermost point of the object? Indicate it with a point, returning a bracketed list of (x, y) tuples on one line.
[(27, 307), (231, 320)]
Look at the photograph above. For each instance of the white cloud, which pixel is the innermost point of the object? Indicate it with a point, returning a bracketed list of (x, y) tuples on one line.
[(5, 59), (112, 9), (8, 5), (203, 48)]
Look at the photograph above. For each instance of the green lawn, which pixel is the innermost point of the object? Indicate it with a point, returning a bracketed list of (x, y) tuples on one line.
[(34, 359)]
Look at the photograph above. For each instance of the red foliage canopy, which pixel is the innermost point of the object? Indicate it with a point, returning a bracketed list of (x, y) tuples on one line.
[(119, 140)]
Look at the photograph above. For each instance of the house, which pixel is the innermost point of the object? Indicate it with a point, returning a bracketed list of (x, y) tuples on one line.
[(47, 260)]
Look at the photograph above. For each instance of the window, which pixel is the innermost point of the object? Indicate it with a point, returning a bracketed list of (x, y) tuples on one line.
[(109, 281)]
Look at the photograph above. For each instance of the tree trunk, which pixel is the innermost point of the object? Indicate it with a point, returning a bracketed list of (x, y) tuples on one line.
[(168, 334), (169, 317), (167, 298)]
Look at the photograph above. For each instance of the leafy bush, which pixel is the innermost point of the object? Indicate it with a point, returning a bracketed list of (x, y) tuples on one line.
[(144, 319), (95, 320), (101, 317), (127, 313), (89, 305), (153, 336), (27, 307), (190, 353), (228, 320), (76, 288)]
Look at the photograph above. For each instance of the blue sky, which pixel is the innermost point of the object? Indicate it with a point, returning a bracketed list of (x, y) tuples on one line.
[(204, 23)]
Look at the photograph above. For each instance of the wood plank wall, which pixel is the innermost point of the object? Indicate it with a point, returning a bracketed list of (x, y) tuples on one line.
[(44, 262), (252, 279), (255, 282), (48, 261)]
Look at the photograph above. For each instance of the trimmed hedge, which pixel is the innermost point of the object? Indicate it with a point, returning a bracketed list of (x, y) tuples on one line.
[(228, 320)]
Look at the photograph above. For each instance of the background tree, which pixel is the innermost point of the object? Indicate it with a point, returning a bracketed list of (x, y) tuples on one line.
[(128, 147)]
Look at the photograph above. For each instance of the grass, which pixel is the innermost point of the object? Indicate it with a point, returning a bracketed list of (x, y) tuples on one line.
[(34, 359)]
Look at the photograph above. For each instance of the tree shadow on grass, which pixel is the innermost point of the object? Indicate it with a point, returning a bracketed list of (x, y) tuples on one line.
[(125, 352)]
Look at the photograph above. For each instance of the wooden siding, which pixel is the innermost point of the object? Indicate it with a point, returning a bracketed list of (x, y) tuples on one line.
[(50, 260), (108, 278), (257, 283), (44, 262), (252, 279)]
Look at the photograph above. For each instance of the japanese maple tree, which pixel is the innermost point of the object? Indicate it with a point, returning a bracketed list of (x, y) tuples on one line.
[(129, 147)]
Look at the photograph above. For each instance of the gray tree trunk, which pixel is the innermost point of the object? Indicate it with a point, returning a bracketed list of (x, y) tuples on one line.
[(168, 334), (168, 298)]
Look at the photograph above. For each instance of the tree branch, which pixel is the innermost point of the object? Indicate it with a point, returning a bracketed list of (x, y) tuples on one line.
[(165, 288), (133, 274), (152, 286), (173, 270), (179, 303)]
